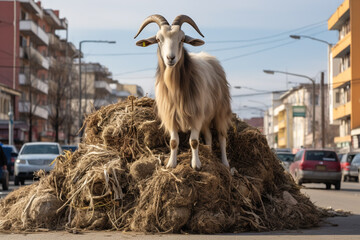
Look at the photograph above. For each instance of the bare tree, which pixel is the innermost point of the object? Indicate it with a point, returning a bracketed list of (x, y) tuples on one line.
[(57, 98)]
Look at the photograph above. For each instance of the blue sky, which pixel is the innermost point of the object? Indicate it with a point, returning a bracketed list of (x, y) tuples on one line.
[(246, 36)]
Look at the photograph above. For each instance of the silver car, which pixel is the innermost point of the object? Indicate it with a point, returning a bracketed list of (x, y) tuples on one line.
[(33, 157), (355, 167)]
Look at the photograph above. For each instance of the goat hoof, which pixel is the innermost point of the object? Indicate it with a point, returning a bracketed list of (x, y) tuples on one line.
[(171, 165), (196, 167)]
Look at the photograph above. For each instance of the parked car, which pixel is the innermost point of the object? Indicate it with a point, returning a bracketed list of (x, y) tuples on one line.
[(348, 174), (33, 157), (4, 173), (71, 148), (11, 154), (355, 167), (316, 166), (286, 159)]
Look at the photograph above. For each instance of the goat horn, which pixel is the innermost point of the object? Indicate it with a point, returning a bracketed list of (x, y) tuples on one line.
[(179, 20), (156, 18)]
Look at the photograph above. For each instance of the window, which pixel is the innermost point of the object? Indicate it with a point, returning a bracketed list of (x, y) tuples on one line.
[(23, 15), (40, 149), (321, 156), (337, 97), (345, 29), (345, 62), (298, 155)]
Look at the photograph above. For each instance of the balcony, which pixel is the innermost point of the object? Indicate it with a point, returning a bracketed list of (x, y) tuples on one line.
[(342, 78), (36, 83), (340, 16), (342, 47), (54, 41), (39, 111), (282, 142), (342, 111), (54, 20), (282, 124), (52, 61), (102, 87), (36, 57), (342, 139), (32, 7), (31, 29)]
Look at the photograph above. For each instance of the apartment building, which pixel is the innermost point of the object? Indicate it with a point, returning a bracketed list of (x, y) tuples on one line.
[(30, 49), (288, 124), (345, 80)]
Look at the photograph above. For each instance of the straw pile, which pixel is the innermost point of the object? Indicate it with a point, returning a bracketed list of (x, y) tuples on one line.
[(117, 180)]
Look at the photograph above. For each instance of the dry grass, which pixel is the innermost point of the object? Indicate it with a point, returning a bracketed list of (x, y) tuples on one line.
[(117, 180)]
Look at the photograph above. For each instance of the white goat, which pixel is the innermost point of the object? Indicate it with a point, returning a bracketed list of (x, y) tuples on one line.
[(191, 89)]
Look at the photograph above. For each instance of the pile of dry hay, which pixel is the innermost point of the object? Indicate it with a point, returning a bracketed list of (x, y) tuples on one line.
[(117, 180)]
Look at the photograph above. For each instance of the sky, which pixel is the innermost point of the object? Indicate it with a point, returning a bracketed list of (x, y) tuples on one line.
[(246, 36)]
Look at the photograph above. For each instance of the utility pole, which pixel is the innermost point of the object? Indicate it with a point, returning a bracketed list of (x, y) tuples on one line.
[(11, 124), (322, 110)]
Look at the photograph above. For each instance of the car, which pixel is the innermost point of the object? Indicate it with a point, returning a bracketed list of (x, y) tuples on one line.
[(71, 148), (11, 153), (316, 166), (355, 167), (33, 157), (345, 162), (286, 159), (340, 155)]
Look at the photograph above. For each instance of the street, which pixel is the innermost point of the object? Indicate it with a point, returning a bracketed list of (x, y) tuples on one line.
[(346, 199)]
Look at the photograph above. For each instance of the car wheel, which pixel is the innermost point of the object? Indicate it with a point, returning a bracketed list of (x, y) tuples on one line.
[(22, 181), (337, 185), (16, 181), (344, 178), (328, 185)]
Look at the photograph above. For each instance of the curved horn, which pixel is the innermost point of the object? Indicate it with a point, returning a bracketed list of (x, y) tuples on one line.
[(156, 18), (179, 20)]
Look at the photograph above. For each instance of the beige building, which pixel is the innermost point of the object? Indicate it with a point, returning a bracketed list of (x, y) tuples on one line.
[(289, 123)]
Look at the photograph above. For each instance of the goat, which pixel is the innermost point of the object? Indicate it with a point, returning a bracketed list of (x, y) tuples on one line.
[(191, 90)]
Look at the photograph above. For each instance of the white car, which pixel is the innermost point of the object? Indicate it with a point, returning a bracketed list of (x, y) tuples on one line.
[(33, 157)]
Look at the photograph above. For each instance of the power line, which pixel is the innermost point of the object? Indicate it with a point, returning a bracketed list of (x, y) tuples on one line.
[(258, 51), (257, 94), (135, 71), (271, 36)]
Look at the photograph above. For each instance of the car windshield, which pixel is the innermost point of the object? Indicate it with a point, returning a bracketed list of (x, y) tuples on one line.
[(69, 148), (40, 149), (321, 156), (350, 157), (286, 157), (356, 159)]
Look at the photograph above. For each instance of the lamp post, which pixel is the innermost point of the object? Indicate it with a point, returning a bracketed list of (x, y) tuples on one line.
[(80, 77), (330, 45), (313, 96)]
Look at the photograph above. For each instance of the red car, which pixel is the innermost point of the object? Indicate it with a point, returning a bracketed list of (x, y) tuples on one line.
[(316, 166)]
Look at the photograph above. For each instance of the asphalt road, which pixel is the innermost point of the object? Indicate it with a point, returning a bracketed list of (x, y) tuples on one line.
[(347, 199)]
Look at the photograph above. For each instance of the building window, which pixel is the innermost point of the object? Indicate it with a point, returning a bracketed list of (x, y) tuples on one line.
[(337, 97), (23, 15), (345, 62), (345, 29)]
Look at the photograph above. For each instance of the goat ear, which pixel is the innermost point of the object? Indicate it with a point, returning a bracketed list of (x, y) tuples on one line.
[(146, 42), (193, 41)]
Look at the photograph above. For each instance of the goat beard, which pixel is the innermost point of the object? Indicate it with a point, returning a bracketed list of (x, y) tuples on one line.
[(170, 79)]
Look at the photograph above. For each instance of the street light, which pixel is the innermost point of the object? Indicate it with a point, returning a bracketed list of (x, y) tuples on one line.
[(330, 45), (298, 37), (80, 92), (313, 96)]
